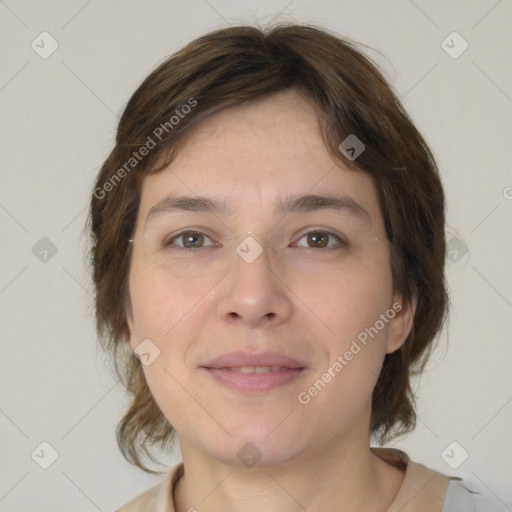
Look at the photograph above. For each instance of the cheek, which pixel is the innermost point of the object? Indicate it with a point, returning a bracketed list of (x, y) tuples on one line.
[(164, 311), (167, 386), (160, 301), (347, 303), (350, 306)]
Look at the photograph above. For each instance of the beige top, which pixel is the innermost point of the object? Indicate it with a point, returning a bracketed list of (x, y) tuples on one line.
[(422, 490)]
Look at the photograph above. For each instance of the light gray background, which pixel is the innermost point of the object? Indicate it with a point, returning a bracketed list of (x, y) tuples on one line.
[(58, 119)]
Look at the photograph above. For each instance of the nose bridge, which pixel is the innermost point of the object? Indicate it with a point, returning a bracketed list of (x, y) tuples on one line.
[(254, 292), (252, 273)]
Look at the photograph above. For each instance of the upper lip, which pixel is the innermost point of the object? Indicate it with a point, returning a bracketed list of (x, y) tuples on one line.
[(237, 359)]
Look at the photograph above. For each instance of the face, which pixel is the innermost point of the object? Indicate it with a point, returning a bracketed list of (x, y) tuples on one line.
[(261, 282)]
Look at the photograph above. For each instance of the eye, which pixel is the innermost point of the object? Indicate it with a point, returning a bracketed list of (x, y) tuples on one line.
[(320, 240), (191, 240)]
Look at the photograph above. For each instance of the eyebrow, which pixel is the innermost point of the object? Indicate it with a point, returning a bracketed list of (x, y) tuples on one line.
[(290, 204)]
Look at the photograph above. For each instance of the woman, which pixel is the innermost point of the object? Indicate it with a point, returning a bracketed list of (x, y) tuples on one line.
[(268, 240)]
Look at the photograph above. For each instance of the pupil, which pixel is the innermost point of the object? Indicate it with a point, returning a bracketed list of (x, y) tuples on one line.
[(318, 239), (190, 240)]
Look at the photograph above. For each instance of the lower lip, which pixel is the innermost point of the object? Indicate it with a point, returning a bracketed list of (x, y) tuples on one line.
[(254, 382)]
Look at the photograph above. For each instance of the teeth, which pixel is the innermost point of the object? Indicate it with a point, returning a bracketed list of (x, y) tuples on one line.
[(256, 369)]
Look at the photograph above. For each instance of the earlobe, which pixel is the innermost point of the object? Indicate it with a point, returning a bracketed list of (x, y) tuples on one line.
[(401, 324), (129, 334), (131, 338)]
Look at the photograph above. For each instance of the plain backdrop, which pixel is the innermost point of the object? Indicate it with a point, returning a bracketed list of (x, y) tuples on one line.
[(59, 114)]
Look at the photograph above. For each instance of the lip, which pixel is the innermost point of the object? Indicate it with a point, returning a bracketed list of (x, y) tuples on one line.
[(235, 359), (225, 369)]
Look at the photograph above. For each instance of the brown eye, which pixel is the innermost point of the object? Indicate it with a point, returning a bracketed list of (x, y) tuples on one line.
[(193, 240), (318, 240)]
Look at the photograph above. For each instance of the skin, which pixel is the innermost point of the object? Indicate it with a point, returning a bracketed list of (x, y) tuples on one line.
[(306, 302)]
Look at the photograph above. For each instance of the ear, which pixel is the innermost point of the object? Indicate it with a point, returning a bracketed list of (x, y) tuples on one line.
[(401, 324)]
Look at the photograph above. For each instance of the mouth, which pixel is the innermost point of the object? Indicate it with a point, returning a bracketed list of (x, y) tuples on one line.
[(254, 373), (254, 369)]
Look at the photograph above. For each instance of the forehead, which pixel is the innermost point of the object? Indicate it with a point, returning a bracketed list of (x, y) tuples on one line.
[(254, 155)]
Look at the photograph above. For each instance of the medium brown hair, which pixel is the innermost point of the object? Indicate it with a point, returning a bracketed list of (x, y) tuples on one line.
[(235, 65)]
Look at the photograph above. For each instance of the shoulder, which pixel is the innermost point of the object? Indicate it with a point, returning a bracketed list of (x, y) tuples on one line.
[(157, 499), (145, 501), (424, 488), (459, 498)]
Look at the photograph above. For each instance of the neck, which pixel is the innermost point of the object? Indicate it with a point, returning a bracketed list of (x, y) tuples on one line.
[(340, 478)]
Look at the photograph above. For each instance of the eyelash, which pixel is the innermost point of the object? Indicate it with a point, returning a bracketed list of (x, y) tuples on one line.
[(341, 242)]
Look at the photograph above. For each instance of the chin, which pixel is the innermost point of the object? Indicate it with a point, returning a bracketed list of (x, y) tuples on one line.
[(259, 454), (258, 443)]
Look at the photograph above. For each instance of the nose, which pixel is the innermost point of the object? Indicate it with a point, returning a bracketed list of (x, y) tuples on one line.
[(255, 295)]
